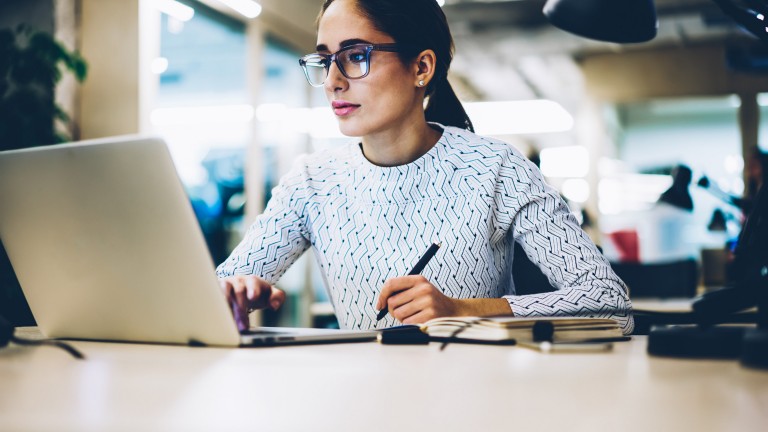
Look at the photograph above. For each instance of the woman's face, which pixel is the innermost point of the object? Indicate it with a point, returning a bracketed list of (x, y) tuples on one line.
[(386, 97)]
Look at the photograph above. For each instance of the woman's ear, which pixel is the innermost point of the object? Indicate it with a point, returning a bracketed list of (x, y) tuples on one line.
[(425, 67)]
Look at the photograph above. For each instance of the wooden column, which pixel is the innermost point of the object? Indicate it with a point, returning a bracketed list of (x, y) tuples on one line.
[(119, 40)]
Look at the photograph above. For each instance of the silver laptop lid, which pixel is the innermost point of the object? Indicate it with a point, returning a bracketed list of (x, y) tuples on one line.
[(106, 246)]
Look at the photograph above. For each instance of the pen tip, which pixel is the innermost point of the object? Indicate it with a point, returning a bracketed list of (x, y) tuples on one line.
[(439, 244)]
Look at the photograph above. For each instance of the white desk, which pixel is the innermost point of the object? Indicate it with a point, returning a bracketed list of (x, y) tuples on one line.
[(367, 386)]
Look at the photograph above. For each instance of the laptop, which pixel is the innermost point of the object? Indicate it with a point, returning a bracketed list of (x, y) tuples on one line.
[(106, 246)]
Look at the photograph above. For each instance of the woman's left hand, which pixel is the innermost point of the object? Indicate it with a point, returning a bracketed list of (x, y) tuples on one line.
[(414, 300)]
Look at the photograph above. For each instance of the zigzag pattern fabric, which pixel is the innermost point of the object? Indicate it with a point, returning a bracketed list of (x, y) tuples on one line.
[(367, 224)]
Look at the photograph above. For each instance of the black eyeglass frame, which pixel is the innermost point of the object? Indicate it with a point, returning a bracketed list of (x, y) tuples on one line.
[(334, 58)]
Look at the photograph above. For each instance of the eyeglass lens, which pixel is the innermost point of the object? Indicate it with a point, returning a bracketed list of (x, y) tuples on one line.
[(315, 72), (353, 63)]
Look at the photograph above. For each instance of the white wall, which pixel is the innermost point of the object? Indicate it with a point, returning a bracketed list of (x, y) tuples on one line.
[(700, 141)]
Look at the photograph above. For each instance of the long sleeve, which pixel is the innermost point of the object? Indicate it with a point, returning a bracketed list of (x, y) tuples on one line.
[(367, 224), (277, 238), (536, 217)]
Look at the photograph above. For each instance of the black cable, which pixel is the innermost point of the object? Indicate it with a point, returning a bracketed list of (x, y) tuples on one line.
[(459, 330), (55, 343)]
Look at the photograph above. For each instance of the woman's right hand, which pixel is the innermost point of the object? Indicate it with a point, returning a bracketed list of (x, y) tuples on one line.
[(245, 293)]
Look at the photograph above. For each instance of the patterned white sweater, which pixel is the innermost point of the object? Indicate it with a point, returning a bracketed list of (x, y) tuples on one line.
[(367, 224)]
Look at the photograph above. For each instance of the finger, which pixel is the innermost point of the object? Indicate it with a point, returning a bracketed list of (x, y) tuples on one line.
[(241, 317), (257, 293), (422, 289), (419, 318), (226, 289), (410, 303), (395, 285), (401, 298), (240, 296), (229, 287), (406, 310), (277, 298)]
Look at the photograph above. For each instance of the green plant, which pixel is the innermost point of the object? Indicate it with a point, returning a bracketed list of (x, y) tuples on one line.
[(31, 65)]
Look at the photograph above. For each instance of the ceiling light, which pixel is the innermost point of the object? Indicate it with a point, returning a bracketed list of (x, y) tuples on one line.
[(222, 114), (175, 9), (518, 117), (247, 8), (159, 65), (576, 190), (489, 118), (569, 161)]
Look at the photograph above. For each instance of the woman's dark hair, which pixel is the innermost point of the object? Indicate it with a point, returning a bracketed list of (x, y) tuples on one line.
[(420, 25)]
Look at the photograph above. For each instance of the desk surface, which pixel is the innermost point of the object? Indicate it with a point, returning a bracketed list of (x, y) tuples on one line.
[(367, 386)]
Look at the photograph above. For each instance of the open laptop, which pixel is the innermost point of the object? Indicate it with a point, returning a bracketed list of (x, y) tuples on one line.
[(106, 246)]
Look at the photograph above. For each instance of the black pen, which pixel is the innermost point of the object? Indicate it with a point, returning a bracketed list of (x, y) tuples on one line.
[(416, 270)]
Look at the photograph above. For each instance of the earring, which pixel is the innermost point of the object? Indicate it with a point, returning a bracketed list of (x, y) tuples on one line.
[(421, 83)]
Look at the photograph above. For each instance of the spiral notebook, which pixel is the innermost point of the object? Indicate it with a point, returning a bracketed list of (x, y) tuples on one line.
[(501, 329)]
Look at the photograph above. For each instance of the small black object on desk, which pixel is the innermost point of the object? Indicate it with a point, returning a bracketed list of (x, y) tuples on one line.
[(543, 331), (403, 335)]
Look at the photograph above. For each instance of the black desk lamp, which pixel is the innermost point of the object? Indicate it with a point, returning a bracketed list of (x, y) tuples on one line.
[(620, 21), (632, 21)]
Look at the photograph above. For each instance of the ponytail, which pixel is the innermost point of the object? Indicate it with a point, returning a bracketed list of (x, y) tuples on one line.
[(444, 106)]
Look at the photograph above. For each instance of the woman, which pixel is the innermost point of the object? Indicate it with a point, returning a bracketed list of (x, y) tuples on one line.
[(370, 209)]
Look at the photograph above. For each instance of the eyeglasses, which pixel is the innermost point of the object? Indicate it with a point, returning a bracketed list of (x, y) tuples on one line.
[(354, 62)]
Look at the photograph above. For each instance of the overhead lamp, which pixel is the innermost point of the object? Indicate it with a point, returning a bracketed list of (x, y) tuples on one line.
[(247, 8), (489, 118), (202, 115), (632, 21), (175, 9), (620, 21), (531, 117), (565, 162)]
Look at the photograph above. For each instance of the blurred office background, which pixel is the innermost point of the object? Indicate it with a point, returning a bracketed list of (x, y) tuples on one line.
[(609, 124)]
